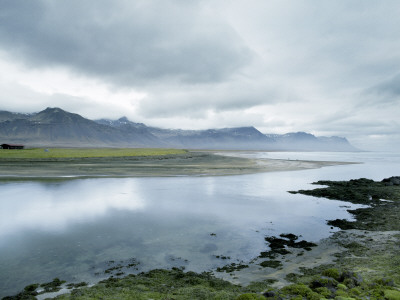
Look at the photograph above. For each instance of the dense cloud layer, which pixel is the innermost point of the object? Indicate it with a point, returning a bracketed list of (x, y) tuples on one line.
[(127, 43), (327, 67)]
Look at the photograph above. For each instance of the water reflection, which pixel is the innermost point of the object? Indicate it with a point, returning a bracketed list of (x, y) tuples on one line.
[(52, 207), (71, 229)]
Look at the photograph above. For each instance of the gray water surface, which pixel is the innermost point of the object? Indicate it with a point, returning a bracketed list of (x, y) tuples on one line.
[(77, 229)]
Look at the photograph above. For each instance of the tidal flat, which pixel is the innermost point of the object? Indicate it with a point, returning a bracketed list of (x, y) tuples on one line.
[(150, 163)]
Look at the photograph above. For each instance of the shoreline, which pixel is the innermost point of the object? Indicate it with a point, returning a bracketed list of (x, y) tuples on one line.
[(188, 164), (365, 250)]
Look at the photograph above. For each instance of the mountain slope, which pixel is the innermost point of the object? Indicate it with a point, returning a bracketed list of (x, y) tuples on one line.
[(54, 127), (302, 141), (9, 116), (227, 138)]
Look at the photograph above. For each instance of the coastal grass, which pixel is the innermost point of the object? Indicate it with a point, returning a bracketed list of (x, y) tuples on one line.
[(41, 153)]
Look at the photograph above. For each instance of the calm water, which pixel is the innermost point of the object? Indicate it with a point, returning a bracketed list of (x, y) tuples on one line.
[(73, 229)]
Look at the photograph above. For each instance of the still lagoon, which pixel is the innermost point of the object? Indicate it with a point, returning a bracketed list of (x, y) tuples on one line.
[(76, 229)]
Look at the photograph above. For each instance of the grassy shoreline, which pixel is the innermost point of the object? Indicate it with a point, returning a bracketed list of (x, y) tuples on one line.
[(137, 163), (362, 260), (54, 153)]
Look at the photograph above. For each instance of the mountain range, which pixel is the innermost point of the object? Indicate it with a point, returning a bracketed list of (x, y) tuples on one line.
[(54, 127)]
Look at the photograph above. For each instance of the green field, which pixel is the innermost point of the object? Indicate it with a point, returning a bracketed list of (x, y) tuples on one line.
[(38, 153)]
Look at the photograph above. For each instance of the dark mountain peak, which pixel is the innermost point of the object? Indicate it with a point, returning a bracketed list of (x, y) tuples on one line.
[(124, 120), (55, 115), (121, 122), (53, 110)]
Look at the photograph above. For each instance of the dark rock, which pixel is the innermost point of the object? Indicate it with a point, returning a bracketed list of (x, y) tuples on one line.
[(394, 180), (342, 224), (324, 281), (269, 294), (276, 243), (289, 236), (303, 244), (271, 264), (350, 279)]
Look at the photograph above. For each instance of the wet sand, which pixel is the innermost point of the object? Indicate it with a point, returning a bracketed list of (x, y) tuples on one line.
[(188, 164)]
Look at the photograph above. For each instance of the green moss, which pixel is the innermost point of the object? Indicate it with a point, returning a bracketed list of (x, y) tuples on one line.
[(160, 284), (333, 273), (250, 296), (323, 282), (355, 291), (323, 291), (342, 293), (392, 294), (300, 290), (258, 286)]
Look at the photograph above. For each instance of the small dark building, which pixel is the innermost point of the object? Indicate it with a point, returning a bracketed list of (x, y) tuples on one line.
[(12, 146)]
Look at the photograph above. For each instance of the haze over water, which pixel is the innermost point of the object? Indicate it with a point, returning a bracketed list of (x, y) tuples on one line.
[(72, 229)]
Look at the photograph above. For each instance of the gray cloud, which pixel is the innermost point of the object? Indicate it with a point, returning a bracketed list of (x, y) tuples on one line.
[(389, 89), (123, 42), (199, 100), (318, 66)]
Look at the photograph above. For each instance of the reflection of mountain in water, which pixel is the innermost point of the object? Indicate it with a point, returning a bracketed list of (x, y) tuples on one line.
[(56, 127)]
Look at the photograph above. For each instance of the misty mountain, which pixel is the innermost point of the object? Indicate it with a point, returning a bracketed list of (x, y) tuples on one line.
[(58, 128), (302, 141), (226, 138), (9, 116)]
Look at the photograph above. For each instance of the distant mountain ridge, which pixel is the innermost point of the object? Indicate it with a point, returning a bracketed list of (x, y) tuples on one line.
[(54, 127)]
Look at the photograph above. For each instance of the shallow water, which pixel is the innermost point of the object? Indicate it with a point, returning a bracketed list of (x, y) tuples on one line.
[(73, 229)]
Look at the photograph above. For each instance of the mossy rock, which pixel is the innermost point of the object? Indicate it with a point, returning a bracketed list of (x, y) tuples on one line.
[(333, 273), (392, 294), (350, 279), (322, 281), (324, 292), (250, 296), (385, 282), (300, 290), (342, 293)]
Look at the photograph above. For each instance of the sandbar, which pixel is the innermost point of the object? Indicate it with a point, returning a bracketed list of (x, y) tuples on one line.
[(187, 164)]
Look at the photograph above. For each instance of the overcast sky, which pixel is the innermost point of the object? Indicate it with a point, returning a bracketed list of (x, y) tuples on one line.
[(324, 67)]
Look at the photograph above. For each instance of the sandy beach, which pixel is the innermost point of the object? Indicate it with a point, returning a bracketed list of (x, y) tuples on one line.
[(187, 164)]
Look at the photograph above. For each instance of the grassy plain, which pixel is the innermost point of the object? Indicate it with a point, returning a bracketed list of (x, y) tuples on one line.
[(40, 153)]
